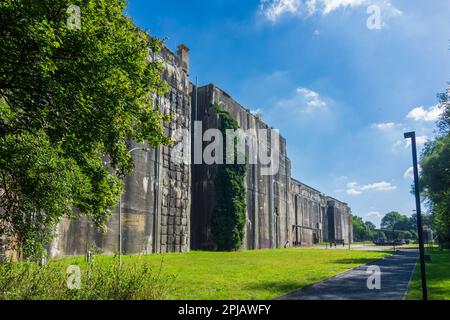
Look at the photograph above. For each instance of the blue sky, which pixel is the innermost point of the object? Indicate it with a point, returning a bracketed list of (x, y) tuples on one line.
[(341, 93)]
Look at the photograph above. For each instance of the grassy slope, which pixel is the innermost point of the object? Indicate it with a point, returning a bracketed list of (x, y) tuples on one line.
[(263, 274), (438, 277)]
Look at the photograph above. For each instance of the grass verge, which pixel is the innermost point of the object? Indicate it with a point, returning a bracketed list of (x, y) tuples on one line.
[(438, 277), (262, 274)]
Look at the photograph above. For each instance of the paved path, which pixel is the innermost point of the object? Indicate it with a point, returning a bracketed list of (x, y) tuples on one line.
[(396, 272)]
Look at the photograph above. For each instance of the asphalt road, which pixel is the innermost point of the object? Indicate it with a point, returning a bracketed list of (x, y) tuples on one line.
[(396, 272)]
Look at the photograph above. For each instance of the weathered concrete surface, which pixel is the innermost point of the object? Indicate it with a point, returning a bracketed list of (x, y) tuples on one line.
[(168, 205), (268, 218), (281, 211), (157, 200), (338, 221), (308, 208), (396, 272)]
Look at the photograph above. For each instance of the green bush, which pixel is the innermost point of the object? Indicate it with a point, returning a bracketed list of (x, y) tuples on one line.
[(100, 280)]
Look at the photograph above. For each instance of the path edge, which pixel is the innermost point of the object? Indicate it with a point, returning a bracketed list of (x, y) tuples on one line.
[(299, 290)]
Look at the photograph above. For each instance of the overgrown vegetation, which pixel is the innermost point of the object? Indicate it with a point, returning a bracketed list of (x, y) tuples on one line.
[(104, 279), (229, 215), (70, 100)]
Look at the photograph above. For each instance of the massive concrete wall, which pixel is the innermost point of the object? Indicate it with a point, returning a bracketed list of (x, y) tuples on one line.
[(157, 200), (268, 219), (308, 208), (338, 221), (168, 205), (281, 211)]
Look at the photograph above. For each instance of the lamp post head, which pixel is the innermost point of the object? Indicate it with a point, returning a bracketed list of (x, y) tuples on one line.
[(410, 135)]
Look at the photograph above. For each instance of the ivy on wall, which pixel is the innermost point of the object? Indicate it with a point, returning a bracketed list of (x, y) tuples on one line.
[(228, 219)]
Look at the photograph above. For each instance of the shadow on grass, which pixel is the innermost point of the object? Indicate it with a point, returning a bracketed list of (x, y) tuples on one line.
[(277, 287)]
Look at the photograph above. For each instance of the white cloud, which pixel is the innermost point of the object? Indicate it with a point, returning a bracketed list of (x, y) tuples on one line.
[(304, 100), (313, 99), (331, 5), (353, 188), (400, 145), (409, 173), (384, 126), (311, 6), (273, 10), (374, 214), (420, 141), (353, 192), (422, 114), (379, 186)]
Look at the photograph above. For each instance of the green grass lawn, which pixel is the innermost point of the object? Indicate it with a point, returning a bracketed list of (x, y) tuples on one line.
[(262, 274), (438, 277)]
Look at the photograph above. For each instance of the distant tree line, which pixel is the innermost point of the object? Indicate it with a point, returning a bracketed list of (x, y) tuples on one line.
[(394, 226)]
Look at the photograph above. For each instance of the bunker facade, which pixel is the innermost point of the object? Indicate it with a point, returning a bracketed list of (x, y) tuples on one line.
[(155, 208), (268, 219), (168, 204)]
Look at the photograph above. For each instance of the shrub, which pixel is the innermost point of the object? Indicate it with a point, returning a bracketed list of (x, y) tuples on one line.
[(100, 280)]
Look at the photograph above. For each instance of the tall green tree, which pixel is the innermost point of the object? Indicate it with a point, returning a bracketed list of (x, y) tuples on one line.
[(394, 221), (370, 225), (363, 230), (71, 99), (435, 174), (435, 179)]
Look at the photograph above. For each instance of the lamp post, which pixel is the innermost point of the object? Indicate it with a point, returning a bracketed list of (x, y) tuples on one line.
[(120, 211), (412, 136)]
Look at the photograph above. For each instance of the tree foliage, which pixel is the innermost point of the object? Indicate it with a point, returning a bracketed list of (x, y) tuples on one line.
[(228, 221), (435, 175), (69, 99), (401, 227), (362, 231), (394, 225), (394, 221)]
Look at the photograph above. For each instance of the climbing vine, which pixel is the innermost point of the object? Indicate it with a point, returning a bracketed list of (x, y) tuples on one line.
[(229, 215)]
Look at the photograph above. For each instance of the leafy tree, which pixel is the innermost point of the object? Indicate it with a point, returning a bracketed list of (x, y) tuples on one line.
[(228, 221), (69, 99), (444, 120), (435, 174), (41, 185), (394, 221), (435, 179), (362, 231), (427, 221), (370, 226)]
